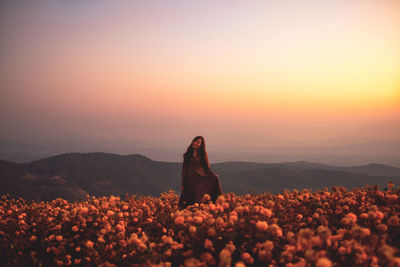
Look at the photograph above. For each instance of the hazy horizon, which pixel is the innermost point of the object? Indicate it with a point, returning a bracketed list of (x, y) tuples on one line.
[(261, 81)]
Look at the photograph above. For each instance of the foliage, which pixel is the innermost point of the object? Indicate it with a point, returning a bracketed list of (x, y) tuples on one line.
[(297, 228)]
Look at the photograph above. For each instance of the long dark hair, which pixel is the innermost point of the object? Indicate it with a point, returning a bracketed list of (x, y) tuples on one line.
[(189, 152)]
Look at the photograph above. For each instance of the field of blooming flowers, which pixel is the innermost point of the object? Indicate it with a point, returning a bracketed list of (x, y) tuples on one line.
[(297, 228)]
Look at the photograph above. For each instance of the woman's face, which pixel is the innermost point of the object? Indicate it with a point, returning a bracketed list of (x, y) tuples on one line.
[(196, 144)]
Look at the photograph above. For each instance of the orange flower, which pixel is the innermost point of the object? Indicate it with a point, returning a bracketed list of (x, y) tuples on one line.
[(110, 213), (342, 250), (262, 226), (365, 232), (120, 228), (211, 232), (206, 198), (225, 205), (168, 253), (393, 221), (84, 210), (225, 257), (220, 199), (323, 262), (192, 229), (233, 218), (89, 244), (275, 230), (179, 220), (246, 257), (379, 215), (352, 217), (240, 264), (266, 212), (198, 219)]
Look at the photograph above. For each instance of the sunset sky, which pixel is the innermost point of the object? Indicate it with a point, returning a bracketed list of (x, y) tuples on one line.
[(243, 74)]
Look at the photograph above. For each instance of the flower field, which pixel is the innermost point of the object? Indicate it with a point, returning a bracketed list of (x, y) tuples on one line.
[(323, 228)]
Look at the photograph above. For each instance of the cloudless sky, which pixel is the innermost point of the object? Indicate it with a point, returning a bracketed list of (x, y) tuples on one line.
[(237, 72)]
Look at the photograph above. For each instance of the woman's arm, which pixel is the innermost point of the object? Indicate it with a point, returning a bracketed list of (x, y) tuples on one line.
[(207, 165)]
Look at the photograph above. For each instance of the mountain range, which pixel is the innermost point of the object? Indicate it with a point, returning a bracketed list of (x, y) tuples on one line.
[(73, 175)]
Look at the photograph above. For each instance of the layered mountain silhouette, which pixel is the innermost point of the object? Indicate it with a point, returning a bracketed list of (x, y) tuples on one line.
[(73, 175)]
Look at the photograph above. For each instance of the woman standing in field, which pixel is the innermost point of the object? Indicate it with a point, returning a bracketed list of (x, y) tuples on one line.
[(197, 177)]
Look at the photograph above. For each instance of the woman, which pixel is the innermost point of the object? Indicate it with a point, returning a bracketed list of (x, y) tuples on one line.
[(197, 177)]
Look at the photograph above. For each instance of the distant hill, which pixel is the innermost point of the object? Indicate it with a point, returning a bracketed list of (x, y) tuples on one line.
[(73, 175), (369, 169)]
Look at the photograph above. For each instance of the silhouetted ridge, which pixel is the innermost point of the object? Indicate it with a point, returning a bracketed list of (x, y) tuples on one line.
[(93, 155), (73, 175)]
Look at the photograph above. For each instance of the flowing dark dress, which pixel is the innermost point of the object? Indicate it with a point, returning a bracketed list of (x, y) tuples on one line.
[(198, 179)]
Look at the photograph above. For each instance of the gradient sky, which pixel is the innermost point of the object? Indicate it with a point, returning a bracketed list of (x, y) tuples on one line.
[(240, 73)]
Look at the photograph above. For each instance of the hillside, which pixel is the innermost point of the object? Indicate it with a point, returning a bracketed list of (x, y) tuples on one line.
[(73, 175)]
